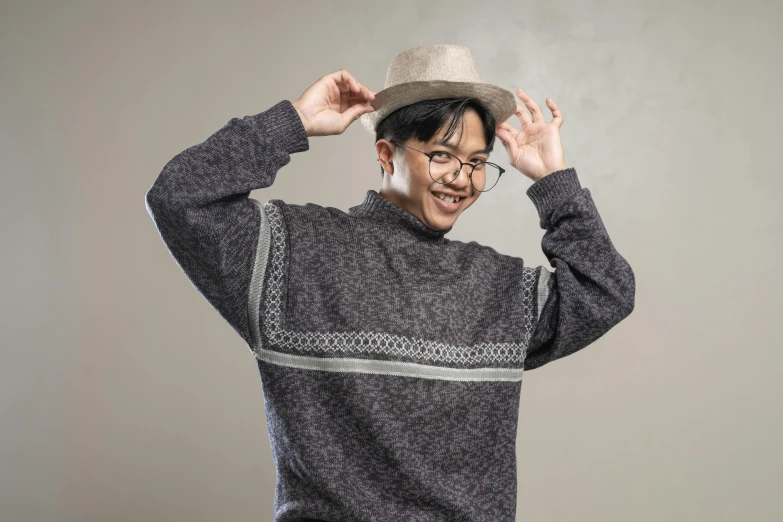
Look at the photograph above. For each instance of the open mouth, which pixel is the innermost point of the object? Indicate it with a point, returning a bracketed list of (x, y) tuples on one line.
[(447, 203)]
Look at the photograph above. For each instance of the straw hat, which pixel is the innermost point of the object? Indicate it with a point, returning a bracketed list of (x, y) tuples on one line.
[(436, 71)]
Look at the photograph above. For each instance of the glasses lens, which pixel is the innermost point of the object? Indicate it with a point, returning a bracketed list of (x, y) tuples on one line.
[(444, 168)]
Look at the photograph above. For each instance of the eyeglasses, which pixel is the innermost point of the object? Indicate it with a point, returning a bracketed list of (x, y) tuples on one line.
[(445, 168)]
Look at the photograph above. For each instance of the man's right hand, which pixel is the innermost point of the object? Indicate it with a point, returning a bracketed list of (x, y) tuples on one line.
[(332, 103)]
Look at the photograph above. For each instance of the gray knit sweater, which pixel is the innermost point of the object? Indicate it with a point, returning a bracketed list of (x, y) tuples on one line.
[(390, 357)]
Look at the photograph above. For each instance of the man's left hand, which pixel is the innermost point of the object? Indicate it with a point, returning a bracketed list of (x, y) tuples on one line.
[(536, 150)]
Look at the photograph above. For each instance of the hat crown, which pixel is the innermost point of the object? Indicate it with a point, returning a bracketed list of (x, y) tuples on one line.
[(430, 72), (455, 63)]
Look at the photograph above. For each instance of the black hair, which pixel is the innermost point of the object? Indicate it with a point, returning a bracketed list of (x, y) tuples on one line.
[(421, 120)]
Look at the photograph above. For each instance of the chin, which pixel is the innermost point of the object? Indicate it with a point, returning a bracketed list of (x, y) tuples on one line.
[(440, 220)]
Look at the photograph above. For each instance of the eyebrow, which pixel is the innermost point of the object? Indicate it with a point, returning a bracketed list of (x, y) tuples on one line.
[(452, 147)]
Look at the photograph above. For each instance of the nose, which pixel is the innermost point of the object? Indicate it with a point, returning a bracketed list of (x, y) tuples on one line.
[(460, 180)]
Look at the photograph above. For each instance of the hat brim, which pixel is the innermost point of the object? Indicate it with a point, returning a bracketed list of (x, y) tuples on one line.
[(499, 101)]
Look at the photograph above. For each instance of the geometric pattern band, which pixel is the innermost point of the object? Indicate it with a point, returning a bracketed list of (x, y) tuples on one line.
[(271, 257)]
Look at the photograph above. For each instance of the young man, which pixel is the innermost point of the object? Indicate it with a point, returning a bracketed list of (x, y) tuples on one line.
[(391, 358)]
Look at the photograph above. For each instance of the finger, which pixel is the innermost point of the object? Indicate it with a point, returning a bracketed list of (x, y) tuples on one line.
[(350, 98), (353, 84), (353, 113), (343, 80), (538, 116), (507, 138), (366, 92), (510, 128), (557, 116), (509, 132), (524, 116)]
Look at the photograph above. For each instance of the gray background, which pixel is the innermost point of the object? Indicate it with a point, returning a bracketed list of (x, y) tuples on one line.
[(123, 394)]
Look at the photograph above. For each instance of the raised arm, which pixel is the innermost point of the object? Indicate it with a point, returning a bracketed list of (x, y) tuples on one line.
[(592, 286), (201, 208)]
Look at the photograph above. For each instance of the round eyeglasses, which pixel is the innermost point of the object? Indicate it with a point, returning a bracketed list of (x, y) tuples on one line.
[(445, 168)]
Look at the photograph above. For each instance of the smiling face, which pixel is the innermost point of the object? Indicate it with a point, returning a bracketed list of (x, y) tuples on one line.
[(407, 181)]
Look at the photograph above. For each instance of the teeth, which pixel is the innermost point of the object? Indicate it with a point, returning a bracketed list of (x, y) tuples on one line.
[(450, 199)]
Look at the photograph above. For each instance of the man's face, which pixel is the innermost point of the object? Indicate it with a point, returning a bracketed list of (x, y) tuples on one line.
[(410, 185)]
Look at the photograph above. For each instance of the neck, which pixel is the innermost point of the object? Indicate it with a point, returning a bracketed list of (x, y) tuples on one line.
[(378, 207)]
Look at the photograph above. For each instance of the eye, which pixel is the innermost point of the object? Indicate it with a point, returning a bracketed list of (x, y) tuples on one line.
[(442, 157)]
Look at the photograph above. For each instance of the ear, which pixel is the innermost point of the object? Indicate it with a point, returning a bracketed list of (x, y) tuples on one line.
[(384, 152)]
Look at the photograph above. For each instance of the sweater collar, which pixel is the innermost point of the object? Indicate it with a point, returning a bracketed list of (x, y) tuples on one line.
[(377, 207)]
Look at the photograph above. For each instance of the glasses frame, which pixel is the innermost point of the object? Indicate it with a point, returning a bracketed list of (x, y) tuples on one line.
[(430, 155)]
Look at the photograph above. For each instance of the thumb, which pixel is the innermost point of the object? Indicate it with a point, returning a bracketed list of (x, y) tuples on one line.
[(504, 138), (355, 111)]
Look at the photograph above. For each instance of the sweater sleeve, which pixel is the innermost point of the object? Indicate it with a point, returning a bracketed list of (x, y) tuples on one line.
[(201, 207), (592, 286)]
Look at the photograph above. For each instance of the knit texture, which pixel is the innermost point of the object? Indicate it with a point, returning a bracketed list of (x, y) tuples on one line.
[(391, 357)]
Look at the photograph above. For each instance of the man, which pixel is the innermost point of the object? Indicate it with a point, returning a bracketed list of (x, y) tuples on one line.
[(391, 358)]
